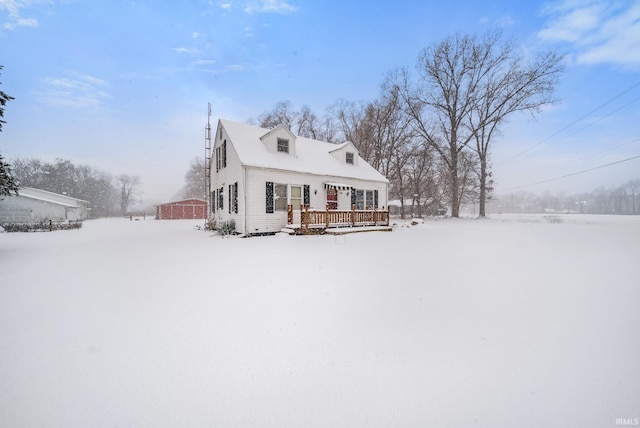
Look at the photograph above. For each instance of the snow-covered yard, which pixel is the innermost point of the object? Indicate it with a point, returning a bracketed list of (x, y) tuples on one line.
[(525, 321)]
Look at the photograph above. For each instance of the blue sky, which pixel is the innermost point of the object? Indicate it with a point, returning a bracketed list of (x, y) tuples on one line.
[(123, 85)]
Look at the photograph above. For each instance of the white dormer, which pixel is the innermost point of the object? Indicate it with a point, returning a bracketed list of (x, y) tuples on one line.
[(346, 153), (280, 140)]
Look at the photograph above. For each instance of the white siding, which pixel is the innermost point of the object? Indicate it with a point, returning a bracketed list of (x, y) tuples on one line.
[(259, 221), (18, 209), (224, 177)]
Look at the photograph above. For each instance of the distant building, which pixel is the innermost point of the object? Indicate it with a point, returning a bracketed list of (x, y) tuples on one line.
[(34, 205), (193, 208)]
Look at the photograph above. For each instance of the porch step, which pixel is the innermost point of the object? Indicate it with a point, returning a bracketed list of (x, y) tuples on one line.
[(288, 230), (345, 230)]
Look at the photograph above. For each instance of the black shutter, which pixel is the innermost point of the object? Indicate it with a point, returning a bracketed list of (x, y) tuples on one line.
[(230, 197), (375, 199), (213, 201), (221, 198), (353, 196), (224, 154), (235, 197), (307, 195), (269, 197)]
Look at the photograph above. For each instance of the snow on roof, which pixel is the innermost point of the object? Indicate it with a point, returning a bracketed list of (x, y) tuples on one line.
[(311, 156), (181, 201), (50, 197)]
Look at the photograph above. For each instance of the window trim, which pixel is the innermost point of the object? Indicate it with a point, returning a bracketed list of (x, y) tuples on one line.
[(350, 158), (282, 145), (276, 198)]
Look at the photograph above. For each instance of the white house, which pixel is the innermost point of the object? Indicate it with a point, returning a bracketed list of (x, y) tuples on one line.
[(34, 205), (259, 177)]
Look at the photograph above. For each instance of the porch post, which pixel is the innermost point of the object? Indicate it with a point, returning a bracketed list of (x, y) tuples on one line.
[(353, 215), (326, 216)]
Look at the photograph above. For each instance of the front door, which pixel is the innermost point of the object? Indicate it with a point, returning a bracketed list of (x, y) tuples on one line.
[(296, 202)]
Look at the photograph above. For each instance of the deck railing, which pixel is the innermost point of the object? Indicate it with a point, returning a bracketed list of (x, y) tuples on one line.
[(339, 218)]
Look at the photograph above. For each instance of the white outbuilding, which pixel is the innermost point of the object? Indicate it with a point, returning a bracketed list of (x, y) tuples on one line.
[(35, 205)]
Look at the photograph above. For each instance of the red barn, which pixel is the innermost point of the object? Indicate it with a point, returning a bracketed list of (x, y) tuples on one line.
[(181, 210)]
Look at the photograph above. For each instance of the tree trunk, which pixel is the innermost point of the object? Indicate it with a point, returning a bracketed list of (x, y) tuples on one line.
[(483, 188), (455, 185)]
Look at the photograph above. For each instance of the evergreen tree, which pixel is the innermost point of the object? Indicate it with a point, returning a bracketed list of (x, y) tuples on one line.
[(8, 184)]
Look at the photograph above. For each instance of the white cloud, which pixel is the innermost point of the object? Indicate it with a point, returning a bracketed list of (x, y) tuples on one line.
[(204, 62), (599, 31), (13, 9), (269, 6), (76, 91), (188, 51), (224, 5)]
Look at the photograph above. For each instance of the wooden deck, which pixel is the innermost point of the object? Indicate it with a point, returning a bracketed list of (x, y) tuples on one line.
[(306, 221)]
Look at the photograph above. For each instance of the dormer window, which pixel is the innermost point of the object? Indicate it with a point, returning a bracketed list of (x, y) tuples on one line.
[(283, 145), (349, 158)]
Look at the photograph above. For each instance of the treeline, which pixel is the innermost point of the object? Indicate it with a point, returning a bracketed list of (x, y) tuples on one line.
[(624, 199), (431, 132), (107, 196)]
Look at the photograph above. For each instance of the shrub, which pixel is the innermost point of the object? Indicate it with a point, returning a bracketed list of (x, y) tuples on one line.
[(42, 226), (227, 227)]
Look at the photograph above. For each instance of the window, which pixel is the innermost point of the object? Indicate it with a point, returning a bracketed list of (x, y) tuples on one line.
[(364, 199), (369, 201), (221, 156), (280, 197), (359, 199), (283, 145), (349, 158), (221, 198), (233, 198), (296, 197)]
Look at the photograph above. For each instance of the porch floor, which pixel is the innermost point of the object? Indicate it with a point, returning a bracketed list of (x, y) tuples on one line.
[(297, 229)]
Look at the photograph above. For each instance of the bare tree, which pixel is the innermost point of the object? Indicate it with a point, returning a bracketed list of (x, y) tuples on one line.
[(467, 84), (78, 181), (282, 114), (507, 84), (350, 117), (129, 189), (633, 190), (423, 180), (307, 123), (195, 180)]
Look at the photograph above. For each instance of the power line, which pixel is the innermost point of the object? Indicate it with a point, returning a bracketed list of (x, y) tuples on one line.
[(572, 174), (574, 122)]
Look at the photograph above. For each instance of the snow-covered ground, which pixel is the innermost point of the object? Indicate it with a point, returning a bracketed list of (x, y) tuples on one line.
[(527, 321)]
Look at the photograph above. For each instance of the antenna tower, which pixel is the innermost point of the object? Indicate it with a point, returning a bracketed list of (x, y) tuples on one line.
[(207, 164)]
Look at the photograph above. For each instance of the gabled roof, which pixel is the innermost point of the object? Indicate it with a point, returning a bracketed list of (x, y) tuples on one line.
[(51, 198), (311, 156), (199, 200)]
